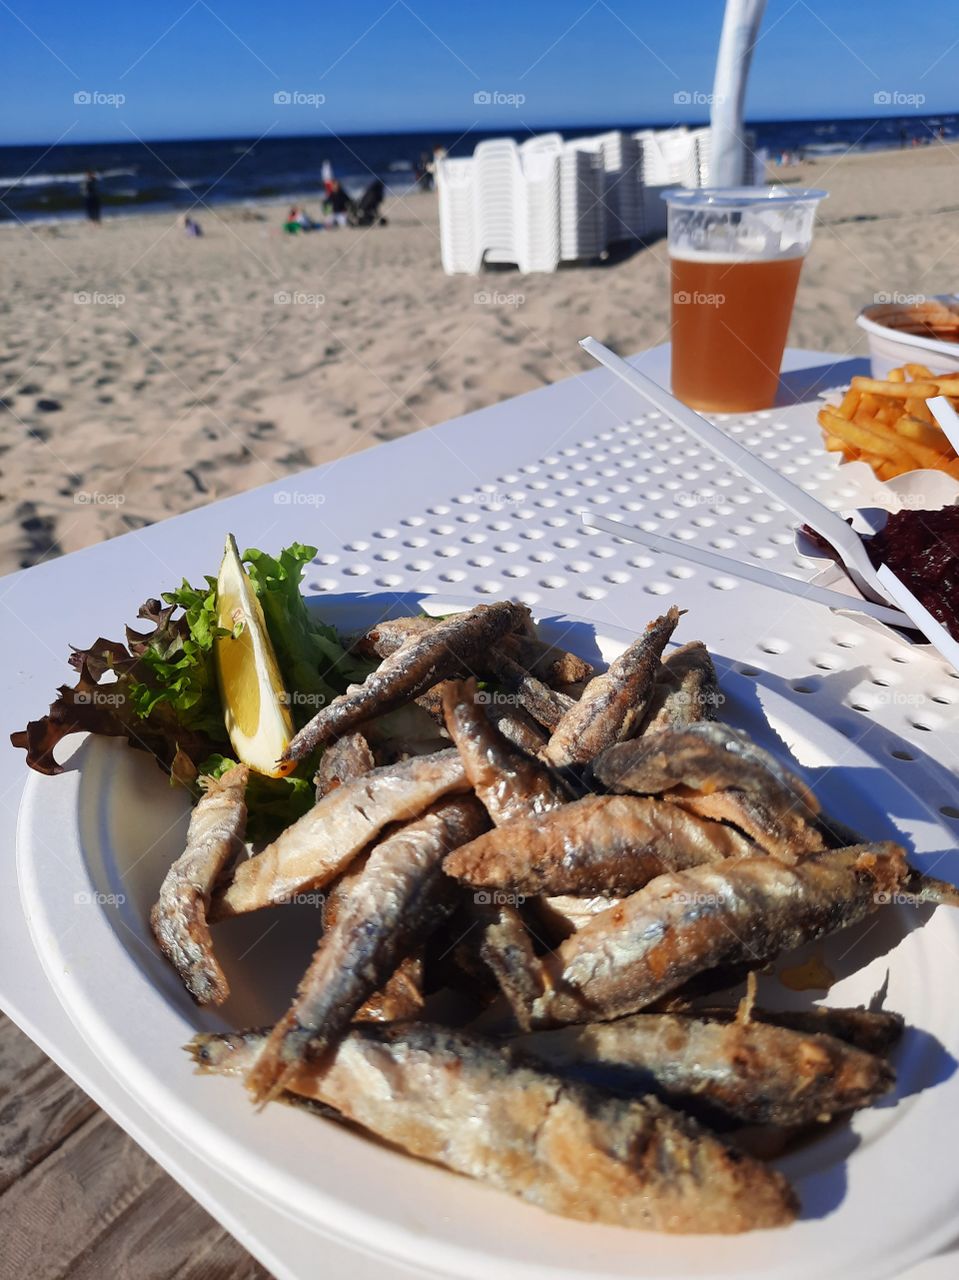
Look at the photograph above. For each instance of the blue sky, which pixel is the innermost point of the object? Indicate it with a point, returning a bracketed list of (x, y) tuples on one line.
[(195, 69)]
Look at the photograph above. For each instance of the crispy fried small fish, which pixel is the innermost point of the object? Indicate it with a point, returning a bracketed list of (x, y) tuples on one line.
[(786, 833), (518, 728), (342, 761), (554, 666), (321, 844), (178, 919), (545, 705), (871, 1030), (464, 1103), (392, 633), (718, 772), (614, 703), (423, 661), (750, 1072), (398, 897), (549, 663), (509, 783), (401, 997), (686, 689), (704, 757), (685, 923), (507, 948), (929, 890), (600, 844)]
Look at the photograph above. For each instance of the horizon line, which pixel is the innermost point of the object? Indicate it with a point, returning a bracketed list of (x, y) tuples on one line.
[(466, 130)]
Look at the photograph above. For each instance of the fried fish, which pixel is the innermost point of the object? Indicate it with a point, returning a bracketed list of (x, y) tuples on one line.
[(718, 772), (397, 898), (317, 847), (687, 922), (686, 689), (613, 704), (750, 1072), (509, 783), (462, 1102), (179, 918), (422, 661), (598, 845), (343, 761)]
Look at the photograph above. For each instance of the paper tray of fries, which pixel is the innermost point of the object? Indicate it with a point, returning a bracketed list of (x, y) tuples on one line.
[(924, 329), (924, 490), (888, 425)]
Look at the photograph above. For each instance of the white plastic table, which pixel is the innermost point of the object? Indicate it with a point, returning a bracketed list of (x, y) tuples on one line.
[(487, 506)]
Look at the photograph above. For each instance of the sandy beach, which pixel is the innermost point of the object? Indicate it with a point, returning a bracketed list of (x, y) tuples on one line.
[(145, 373)]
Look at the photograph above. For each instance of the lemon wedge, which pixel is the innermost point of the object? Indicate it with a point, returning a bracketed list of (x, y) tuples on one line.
[(256, 706)]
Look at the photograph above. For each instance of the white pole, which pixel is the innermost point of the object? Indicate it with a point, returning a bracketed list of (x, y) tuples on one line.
[(728, 149)]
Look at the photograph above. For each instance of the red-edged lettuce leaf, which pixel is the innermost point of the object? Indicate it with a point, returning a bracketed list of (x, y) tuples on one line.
[(158, 691)]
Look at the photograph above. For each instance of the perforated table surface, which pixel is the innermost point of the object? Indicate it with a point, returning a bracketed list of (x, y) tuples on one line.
[(488, 507)]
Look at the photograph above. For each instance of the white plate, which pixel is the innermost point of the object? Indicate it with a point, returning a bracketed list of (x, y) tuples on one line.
[(879, 1194)]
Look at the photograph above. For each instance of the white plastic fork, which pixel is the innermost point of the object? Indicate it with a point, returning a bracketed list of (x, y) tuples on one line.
[(844, 540), (747, 572)]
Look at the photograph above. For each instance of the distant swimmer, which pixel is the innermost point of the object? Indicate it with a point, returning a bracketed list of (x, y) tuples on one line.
[(91, 196)]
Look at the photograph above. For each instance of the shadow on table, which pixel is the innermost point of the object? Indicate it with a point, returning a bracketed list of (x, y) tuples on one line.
[(800, 385)]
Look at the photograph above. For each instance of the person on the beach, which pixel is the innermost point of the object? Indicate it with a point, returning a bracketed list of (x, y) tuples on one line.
[(191, 226), (337, 204), (326, 175), (433, 166), (91, 197)]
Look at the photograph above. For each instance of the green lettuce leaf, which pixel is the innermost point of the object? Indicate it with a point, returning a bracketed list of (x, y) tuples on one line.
[(314, 665)]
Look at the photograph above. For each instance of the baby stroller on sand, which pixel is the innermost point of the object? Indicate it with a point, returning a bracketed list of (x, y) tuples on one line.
[(365, 212)]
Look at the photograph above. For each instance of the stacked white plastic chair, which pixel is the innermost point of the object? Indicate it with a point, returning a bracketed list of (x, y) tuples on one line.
[(459, 244), (582, 213), (546, 201), (499, 199), (665, 164), (501, 206), (539, 229), (620, 156)]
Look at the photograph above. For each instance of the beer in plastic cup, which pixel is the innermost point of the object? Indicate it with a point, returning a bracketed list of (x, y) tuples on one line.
[(735, 256)]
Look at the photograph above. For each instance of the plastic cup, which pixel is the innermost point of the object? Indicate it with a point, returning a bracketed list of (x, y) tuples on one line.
[(735, 257)]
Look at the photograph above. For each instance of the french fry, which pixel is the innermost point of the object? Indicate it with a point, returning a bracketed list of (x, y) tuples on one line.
[(899, 390), (919, 409), (888, 424), (850, 403), (933, 458), (869, 441), (923, 455), (933, 437)]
